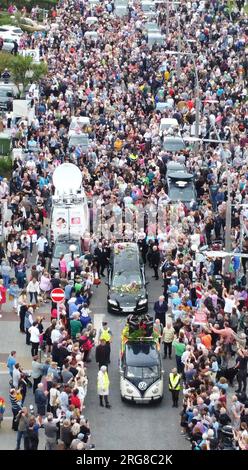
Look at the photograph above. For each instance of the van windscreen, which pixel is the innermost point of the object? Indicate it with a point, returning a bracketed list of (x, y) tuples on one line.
[(142, 372)]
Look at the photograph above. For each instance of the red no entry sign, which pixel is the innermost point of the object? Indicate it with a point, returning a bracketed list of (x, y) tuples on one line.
[(58, 295)]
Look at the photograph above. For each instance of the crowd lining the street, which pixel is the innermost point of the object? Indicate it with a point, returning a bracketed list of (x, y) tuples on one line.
[(117, 81)]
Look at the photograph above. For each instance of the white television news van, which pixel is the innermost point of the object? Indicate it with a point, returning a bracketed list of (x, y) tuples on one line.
[(69, 214)]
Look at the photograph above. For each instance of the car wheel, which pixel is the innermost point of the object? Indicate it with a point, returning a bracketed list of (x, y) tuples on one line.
[(109, 309)]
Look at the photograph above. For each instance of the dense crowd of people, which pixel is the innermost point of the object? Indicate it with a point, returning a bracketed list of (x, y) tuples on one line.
[(117, 81)]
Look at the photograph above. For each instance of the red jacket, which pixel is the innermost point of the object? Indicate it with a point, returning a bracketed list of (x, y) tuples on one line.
[(3, 291), (87, 344), (75, 401)]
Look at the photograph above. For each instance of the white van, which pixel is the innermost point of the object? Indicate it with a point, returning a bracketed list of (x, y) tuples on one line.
[(77, 124), (91, 20), (147, 6), (141, 374), (168, 123), (69, 213), (93, 35), (121, 10)]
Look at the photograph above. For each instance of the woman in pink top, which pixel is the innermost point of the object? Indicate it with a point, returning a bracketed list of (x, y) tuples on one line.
[(62, 267), (45, 285)]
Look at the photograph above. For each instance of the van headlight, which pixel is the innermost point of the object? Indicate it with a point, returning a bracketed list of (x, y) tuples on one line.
[(129, 390), (155, 390), (142, 301), (112, 302)]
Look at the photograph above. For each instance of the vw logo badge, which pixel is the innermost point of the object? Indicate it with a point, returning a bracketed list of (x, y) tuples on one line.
[(142, 386)]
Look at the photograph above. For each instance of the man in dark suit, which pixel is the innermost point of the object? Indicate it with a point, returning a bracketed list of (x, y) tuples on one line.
[(155, 260), (103, 354), (101, 254), (160, 309)]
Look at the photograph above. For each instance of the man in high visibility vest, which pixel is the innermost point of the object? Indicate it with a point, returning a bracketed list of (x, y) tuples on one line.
[(106, 334), (174, 386), (103, 386)]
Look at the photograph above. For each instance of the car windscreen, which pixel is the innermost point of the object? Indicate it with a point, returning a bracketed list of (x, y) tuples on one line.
[(174, 145), (123, 278), (142, 372), (64, 248), (5, 92)]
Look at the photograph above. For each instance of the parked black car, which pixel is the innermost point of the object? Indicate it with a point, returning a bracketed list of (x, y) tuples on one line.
[(181, 187), (126, 280)]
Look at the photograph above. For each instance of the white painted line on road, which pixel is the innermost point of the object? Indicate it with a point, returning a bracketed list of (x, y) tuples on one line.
[(98, 319)]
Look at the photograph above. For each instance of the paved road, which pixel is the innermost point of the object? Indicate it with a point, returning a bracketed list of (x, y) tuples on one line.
[(124, 426)]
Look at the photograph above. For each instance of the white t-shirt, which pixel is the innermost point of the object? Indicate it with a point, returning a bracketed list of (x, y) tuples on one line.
[(229, 305), (34, 334), (16, 377), (54, 396), (185, 357), (55, 336), (41, 242)]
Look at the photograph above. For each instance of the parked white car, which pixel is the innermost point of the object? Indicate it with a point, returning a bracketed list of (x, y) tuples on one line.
[(8, 40), (14, 31)]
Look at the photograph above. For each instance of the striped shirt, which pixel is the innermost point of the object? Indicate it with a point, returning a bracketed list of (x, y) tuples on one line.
[(14, 403)]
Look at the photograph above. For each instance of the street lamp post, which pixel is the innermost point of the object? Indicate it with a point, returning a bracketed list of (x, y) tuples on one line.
[(197, 98), (72, 250), (167, 17), (228, 242), (179, 48)]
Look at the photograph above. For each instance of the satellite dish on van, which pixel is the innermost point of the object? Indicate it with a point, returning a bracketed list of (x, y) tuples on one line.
[(67, 177)]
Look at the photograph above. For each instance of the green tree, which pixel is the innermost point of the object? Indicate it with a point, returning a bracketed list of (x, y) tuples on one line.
[(39, 71), (5, 61), (22, 69)]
